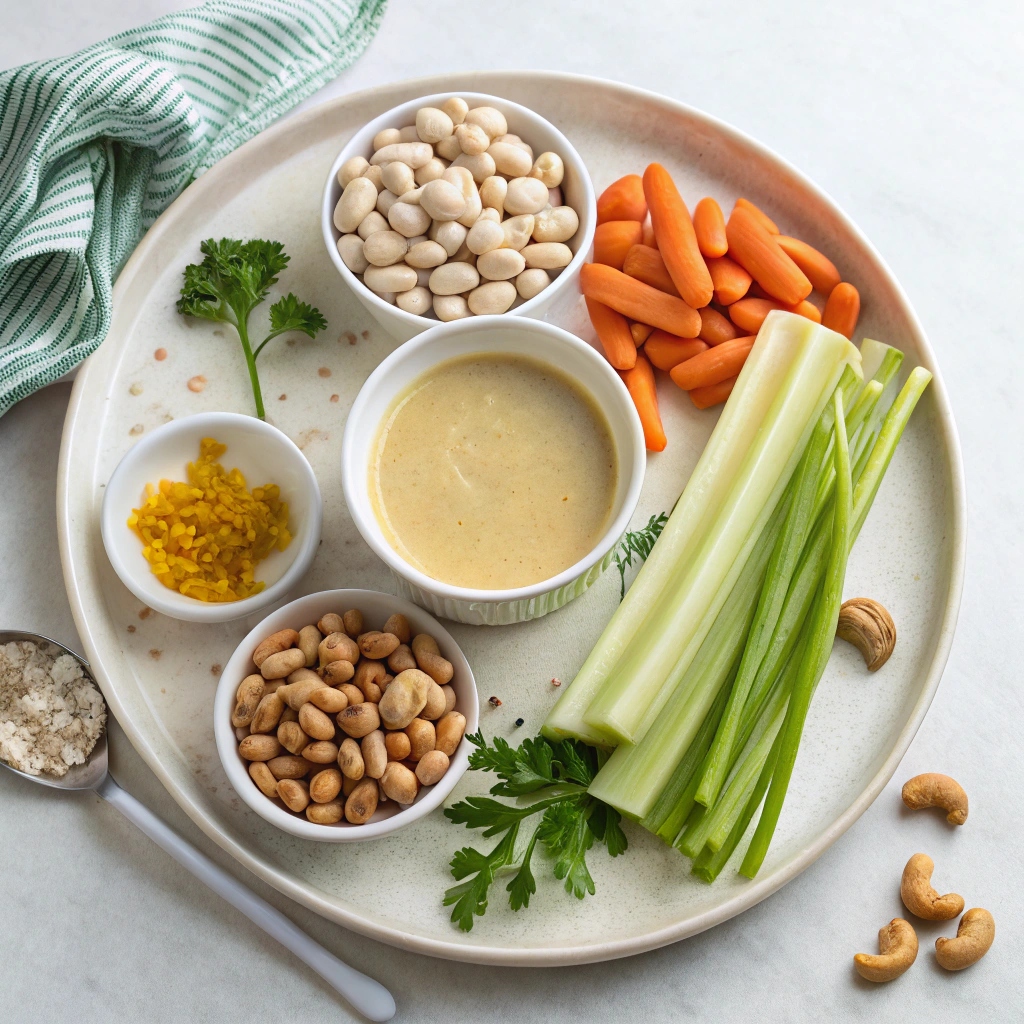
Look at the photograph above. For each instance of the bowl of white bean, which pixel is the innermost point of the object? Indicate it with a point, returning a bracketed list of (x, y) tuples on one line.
[(451, 206)]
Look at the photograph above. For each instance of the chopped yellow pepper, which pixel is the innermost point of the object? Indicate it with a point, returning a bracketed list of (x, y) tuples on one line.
[(205, 538)]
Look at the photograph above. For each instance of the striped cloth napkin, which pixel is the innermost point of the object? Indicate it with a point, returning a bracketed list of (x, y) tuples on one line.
[(94, 146)]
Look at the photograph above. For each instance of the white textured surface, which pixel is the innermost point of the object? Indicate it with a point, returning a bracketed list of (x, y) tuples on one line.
[(911, 120)]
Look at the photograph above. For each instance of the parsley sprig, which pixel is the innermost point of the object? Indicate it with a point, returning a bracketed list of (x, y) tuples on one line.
[(637, 544), (232, 280), (547, 779)]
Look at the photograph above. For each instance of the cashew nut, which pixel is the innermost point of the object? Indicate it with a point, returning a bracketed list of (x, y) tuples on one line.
[(897, 950), (935, 790), (920, 898), (973, 940), (869, 627)]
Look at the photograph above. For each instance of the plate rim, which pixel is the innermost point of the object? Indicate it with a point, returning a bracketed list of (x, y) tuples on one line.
[(534, 956)]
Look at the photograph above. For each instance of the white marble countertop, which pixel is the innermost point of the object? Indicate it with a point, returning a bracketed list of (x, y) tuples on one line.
[(912, 117)]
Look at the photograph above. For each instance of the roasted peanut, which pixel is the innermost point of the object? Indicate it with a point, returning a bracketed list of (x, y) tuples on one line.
[(330, 623), (350, 759), (450, 307), (557, 224), (274, 644), (547, 255), (321, 752), (377, 644), (352, 168), (353, 622), (361, 802), (338, 647), (261, 775), (436, 704), (350, 248), (399, 783), (375, 753), (247, 699), (288, 715), (510, 159), (325, 814), (455, 107), (449, 698), (329, 699), (422, 737), (428, 657), (308, 642), (450, 728), (398, 625), (336, 672), (416, 300), (433, 124), (277, 666), (415, 154), (398, 661), (288, 766), (356, 202), (294, 794), (268, 714), (490, 119), (347, 785), (315, 723), (354, 694), (405, 698), (548, 167), (432, 766), (292, 738), (397, 745), (259, 748), (359, 719), (325, 786), (386, 137)]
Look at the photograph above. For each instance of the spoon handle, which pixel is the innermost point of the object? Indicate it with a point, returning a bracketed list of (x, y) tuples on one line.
[(369, 997)]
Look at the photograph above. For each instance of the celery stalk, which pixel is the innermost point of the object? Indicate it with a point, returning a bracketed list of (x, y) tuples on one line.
[(635, 692)]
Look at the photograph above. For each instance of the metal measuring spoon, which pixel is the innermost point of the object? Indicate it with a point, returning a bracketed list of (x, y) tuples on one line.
[(369, 997)]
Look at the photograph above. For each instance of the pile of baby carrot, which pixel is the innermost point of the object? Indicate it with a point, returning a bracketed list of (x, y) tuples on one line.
[(688, 294)]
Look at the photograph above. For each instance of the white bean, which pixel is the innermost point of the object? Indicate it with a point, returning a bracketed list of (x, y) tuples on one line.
[(409, 134), (450, 234), (408, 220), (443, 200), (461, 178), (518, 230), (532, 282), (548, 167), (372, 222), (473, 209), (555, 197), (415, 154), (355, 203), (473, 140), (426, 254), (500, 265), (555, 225), (412, 196), (433, 124), (525, 195), (386, 137), (510, 159), (353, 167), (455, 107), (484, 236), (451, 307), (480, 166), (453, 278), (416, 239), (423, 277), (388, 297), (430, 171), (516, 141), (350, 249), (396, 278), (384, 248), (465, 256), (493, 297), (385, 201), (492, 192), (448, 149), (547, 255), (489, 213), (398, 177), (415, 300), (492, 121), (374, 174)]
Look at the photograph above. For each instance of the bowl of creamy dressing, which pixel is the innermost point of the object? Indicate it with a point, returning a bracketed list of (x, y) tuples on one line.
[(493, 463)]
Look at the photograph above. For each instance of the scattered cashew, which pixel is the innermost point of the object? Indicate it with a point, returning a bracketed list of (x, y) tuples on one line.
[(935, 790), (920, 898), (974, 938), (869, 627), (897, 950)]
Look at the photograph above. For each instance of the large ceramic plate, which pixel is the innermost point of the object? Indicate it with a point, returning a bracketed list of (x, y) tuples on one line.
[(159, 675)]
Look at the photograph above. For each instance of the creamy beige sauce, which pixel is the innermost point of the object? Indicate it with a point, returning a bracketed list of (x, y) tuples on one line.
[(494, 472)]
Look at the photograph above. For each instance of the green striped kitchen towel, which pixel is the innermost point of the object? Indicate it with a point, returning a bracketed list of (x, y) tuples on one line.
[(94, 146)]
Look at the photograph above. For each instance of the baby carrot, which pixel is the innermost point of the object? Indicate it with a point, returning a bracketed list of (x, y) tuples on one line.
[(754, 249), (714, 328), (613, 239), (842, 309), (709, 227), (807, 309), (644, 391), (640, 332), (665, 350), (646, 264), (820, 270), (731, 281), (714, 366), (748, 314), (649, 238), (623, 200), (677, 242), (613, 332), (766, 222), (638, 301), (713, 394)]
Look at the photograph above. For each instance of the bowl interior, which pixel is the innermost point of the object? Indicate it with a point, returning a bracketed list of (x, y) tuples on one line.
[(540, 134), (376, 609), (263, 454), (488, 335)]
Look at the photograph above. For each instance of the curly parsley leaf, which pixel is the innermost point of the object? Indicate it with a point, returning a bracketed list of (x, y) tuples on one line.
[(291, 314), (637, 544)]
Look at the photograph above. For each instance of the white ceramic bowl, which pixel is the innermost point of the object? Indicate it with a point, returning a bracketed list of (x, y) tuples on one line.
[(264, 455), (542, 135), (376, 609), (489, 334)]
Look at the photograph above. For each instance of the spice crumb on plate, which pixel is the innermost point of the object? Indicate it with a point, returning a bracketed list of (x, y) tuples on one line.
[(51, 713), (197, 383), (324, 371), (160, 355)]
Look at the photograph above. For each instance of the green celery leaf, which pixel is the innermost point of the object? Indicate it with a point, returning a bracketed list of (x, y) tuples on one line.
[(491, 815), (470, 898), (575, 761), (523, 884), (565, 834)]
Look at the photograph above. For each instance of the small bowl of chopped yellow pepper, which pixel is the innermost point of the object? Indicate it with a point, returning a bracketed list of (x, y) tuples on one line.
[(212, 517)]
